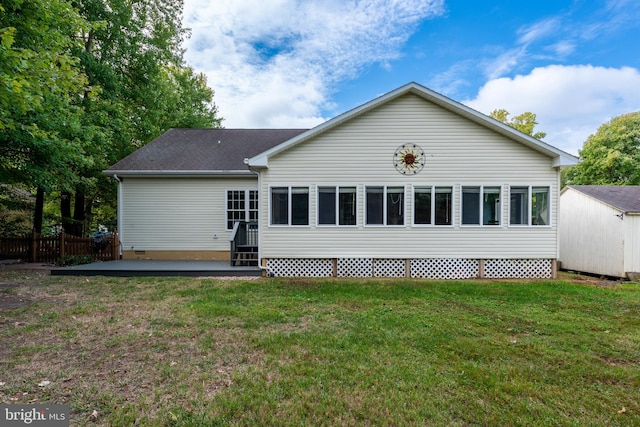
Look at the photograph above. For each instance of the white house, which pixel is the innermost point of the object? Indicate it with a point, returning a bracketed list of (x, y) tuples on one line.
[(600, 229), (409, 184)]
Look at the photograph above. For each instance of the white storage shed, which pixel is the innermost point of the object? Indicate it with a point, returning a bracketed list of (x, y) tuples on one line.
[(600, 229)]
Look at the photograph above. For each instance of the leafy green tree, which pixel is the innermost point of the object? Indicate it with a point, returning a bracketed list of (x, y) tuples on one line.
[(611, 156), (132, 56), (40, 85), (525, 122), (15, 207), (84, 83)]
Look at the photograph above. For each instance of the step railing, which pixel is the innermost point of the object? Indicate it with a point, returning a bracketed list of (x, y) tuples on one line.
[(244, 243)]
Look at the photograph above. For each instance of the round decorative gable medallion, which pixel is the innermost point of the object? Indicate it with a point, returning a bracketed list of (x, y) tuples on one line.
[(408, 159)]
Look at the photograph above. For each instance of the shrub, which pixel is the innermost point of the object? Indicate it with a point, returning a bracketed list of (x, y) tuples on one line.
[(75, 260)]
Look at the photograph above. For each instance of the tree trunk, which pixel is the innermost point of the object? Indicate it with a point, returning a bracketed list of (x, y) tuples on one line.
[(65, 212), (38, 212), (79, 213)]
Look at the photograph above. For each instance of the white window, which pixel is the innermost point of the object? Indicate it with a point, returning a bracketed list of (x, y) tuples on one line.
[(529, 206), (540, 206), (289, 205), (242, 205), (480, 205), (337, 205), (432, 205), (385, 205)]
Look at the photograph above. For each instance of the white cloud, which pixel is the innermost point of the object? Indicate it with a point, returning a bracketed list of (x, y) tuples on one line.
[(539, 30), (275, 63), (570, 102)]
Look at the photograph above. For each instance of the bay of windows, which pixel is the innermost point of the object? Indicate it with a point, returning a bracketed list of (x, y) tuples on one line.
[(386, 205)]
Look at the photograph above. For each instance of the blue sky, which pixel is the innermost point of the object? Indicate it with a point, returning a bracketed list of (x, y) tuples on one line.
[(292, 64)]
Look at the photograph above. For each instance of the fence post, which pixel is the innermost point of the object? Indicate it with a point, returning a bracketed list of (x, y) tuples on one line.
[(34, 246), (62, 239), (115, 246)]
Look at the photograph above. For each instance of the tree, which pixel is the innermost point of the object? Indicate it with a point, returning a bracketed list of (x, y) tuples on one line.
[(39, 88), (525, 122), (83, 83), (132, 54), (611, 156)]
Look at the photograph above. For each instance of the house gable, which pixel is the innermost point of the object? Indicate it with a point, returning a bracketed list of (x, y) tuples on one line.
[(362, 149), (559, 157)]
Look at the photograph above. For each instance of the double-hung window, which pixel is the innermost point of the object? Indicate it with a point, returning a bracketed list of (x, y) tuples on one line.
[(289, 205), (242, 205), (337, 205), (480, 205), (385, 205), (529, 206), (432, 205)]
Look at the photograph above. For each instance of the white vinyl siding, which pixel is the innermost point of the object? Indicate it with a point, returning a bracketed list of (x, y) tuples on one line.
[(177, 213), (457, 152)]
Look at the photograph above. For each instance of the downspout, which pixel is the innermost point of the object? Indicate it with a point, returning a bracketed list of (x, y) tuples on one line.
[(260, 218), (119, 211)]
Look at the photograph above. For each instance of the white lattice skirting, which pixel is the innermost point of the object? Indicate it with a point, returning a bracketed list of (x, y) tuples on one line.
[(427, 268)]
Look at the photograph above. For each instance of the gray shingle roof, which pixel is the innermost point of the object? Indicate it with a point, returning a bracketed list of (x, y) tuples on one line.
[(625, 198), (201, 150)]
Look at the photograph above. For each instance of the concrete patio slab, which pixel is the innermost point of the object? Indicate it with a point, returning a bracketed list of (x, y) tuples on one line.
[(137, 268)]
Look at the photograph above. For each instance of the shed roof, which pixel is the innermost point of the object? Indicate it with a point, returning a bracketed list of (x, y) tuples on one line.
[(624, 198), (201, 151)]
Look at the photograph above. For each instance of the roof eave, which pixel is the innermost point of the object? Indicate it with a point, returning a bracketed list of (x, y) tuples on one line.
[(564, 161), (178, 173)]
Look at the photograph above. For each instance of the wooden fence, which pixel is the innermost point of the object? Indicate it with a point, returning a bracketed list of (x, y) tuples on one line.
[(36, 248)]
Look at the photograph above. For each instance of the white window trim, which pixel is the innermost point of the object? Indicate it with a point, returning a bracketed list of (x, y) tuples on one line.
[(384, 205), (337, 188), (247, 204), (289, 206), (549, 193), (482, 187), (529, 200), (433, 205)]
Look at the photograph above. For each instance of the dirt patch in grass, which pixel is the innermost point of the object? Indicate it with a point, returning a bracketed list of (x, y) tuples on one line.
[(14, 283), (10, 301), (590, 280)]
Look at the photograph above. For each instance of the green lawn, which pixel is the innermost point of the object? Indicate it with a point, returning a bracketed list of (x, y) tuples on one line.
[(322, 352)]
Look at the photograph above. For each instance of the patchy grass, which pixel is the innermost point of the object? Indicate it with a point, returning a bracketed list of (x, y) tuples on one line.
[(169, 351)]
